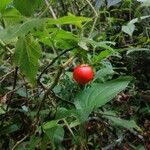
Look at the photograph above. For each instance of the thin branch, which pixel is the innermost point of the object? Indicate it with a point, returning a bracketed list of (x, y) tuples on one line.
[(10, 98), (19, 142), (51, 9), (50, 64), (5, 76), (49, 90), (94, 10), (4, 46)]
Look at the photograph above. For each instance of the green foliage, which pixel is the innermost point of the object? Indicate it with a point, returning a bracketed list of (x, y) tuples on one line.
[(40, 44), (70, 19), (21, 29), (3, 4), (128, 124), (26, 56), (27, 7), (96, 96)]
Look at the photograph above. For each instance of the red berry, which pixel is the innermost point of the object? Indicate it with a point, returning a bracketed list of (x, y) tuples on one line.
[(82, 74)]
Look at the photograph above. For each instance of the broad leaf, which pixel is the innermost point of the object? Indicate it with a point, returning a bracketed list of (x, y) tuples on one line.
[(98, 95), (26, 55), (21, 29)]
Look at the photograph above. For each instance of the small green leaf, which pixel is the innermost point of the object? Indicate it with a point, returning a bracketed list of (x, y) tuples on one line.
[(140, 147), (54, 131), (112, 2), (26, 56), (135, 20), (129, 29)]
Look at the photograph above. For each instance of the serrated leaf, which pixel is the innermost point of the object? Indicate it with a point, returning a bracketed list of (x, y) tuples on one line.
[(98, 95), (129, 29), (26, 56), (21, 29)]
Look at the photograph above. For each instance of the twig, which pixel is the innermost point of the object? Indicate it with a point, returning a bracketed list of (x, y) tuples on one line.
[(50, 8), (93, 26), (4, 77), (19, 142), (96, 14), (54, 83), (14, 86), (2, 44), (50, 64)]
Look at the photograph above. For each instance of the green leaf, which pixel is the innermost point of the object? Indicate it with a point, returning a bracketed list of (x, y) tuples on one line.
[(56, 134), (54, 131), (26, 7), (112, 2), (70, 19), (104, 73), (129, 29), (3, 4), (57, 37), (146, 3), (98, 95), (131, 50), (26, 56), (105, 54), (140, 147), (135, 20), (21, 29), (128, 124), (9, 129)]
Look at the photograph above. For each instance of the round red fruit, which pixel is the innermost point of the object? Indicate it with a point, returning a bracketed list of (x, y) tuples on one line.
[(82, 74)]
